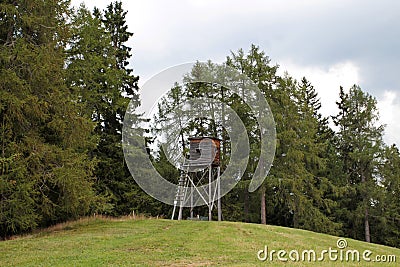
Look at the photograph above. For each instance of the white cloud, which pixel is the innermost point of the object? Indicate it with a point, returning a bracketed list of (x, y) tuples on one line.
[(346, 74), (326, 81), (389, 110)]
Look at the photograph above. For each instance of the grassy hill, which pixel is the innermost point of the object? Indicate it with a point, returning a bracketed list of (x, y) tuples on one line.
[(153, 242)]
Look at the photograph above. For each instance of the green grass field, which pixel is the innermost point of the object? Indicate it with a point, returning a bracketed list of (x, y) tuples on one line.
[(153, 242)]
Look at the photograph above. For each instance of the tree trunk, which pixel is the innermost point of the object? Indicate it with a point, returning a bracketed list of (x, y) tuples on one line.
[(246, 204), (263, 208), (223, 134), (366, 222), (296, 212)]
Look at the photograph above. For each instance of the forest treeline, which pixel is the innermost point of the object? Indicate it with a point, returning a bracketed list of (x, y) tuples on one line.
[(65, 83)]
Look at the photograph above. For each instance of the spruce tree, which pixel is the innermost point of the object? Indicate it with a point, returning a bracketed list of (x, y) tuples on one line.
[(359, 146), (387, 208), (45, 173), (313, 132), (99, 73)]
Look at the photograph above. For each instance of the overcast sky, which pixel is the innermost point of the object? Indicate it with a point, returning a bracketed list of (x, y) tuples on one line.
[(330, 42)]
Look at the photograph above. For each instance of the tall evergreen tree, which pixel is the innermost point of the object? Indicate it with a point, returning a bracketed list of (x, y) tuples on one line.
[(255, 65), (45, 173), (387, 209), (359, 147), (312, 132), (112, 170), (98, 71), (298, 194)]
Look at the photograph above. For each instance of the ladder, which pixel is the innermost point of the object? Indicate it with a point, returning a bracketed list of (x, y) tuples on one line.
[(180, 195)]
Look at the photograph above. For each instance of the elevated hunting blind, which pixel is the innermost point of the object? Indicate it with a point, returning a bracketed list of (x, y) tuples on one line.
[(199, 182), (204, 151)]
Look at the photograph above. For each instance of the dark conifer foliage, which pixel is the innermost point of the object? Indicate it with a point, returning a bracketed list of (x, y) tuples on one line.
[(98, 71), (46, 174)]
